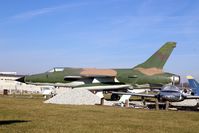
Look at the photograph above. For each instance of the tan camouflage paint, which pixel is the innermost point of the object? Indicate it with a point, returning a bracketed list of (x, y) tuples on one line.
[(98, 72), (150, 71)]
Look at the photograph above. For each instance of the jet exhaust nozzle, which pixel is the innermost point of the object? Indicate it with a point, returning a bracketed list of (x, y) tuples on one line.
[(175, 79)]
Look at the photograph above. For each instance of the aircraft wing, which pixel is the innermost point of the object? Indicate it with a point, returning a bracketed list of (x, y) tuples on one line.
[(103, 87), (50, 84), (92, 87), (90, 78), (135, 94), (98, 76), (191, 97), (72, 77)]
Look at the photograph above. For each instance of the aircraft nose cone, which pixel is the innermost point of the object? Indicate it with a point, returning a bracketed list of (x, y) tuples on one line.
[(167, 97), (22, 79), (170, 98)]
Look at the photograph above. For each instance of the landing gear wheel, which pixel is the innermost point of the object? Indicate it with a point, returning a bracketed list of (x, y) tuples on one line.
[(115, 97)]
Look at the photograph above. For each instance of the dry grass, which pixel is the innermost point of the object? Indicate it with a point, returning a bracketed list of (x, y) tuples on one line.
[(31, 115)]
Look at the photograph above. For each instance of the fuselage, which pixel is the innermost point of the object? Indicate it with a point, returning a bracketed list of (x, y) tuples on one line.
[(88, 75), (149, 72), (170, 93)]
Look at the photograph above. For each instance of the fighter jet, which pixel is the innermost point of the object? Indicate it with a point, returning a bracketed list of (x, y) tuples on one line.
[(194, 85), (148, 74)]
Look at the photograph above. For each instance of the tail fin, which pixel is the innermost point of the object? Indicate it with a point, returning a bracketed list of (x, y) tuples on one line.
[(194, 85), (159, 59)]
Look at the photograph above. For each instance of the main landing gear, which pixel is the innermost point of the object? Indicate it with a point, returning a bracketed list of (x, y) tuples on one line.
[(115, 97)]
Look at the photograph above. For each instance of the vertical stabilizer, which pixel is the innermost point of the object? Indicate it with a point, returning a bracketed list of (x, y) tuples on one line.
[(194, 85), (159, 59)]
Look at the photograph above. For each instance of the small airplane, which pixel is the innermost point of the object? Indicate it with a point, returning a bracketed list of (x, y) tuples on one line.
[(188, 104), (149, 74), (168, 93), (194, 85)]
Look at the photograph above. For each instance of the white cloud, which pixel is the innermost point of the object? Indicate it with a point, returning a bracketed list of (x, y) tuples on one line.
[(43, 11)]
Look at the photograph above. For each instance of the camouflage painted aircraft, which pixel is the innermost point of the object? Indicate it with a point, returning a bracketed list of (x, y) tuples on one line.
[(147, 74)]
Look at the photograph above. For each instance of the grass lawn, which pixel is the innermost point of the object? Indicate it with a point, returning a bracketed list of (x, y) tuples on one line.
[(32, 115)]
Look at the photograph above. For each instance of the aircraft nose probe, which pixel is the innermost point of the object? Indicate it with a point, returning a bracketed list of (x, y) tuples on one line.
[(22, 79)]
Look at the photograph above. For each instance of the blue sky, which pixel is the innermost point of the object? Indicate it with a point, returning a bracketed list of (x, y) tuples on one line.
[(36, 35)]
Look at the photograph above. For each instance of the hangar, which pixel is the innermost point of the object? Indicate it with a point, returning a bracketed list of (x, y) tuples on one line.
[(8, 83)]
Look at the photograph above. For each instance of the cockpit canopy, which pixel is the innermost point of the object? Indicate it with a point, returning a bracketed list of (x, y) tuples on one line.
[(170, 88), (56, 69)]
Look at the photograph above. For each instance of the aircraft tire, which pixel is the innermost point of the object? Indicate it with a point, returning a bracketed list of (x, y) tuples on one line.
[(115, 97)]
